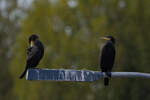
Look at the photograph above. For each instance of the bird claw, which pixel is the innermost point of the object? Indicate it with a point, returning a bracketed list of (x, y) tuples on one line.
[(108, 74)]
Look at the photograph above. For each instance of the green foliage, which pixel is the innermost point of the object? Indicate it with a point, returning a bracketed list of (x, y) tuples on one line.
[(71, 38), (8, 32)]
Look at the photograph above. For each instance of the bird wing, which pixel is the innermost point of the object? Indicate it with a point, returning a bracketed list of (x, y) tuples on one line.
[(32, 54), (108, 56)]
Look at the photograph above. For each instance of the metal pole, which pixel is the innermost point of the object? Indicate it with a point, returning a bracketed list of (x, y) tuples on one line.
[(77, 75)]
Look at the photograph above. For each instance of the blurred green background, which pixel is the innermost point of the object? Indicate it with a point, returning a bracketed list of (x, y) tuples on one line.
[(70, 31)]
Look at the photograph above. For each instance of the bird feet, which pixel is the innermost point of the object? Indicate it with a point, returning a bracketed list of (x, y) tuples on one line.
[(108, 74)]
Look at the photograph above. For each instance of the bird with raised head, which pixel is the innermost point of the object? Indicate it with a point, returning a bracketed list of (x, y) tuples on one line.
[(34, 53), (107, 58)]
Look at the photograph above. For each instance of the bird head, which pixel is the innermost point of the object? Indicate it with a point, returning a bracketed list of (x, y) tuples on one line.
[(32, 39), (109, 38)]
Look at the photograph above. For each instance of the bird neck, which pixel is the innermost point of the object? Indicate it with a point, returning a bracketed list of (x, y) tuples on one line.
[(32, 44)]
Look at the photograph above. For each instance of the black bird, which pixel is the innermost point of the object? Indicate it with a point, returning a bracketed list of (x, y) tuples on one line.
[(34, 53), (107, 58)]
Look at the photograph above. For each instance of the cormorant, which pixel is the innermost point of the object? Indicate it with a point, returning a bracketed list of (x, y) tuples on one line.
[(107, 58), (34, 53)]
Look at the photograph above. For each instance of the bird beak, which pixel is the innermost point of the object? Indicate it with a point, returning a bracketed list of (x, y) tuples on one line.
[(31, 43), (105, 38)]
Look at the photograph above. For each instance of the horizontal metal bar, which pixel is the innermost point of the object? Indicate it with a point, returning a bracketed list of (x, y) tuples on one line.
[(76, 75)]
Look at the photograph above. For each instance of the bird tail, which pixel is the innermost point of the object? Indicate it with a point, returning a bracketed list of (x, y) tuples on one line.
[(23, 74), (106, 81)]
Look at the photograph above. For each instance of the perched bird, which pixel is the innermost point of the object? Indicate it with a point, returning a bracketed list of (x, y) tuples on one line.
[(107, 58), (34, 53)]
